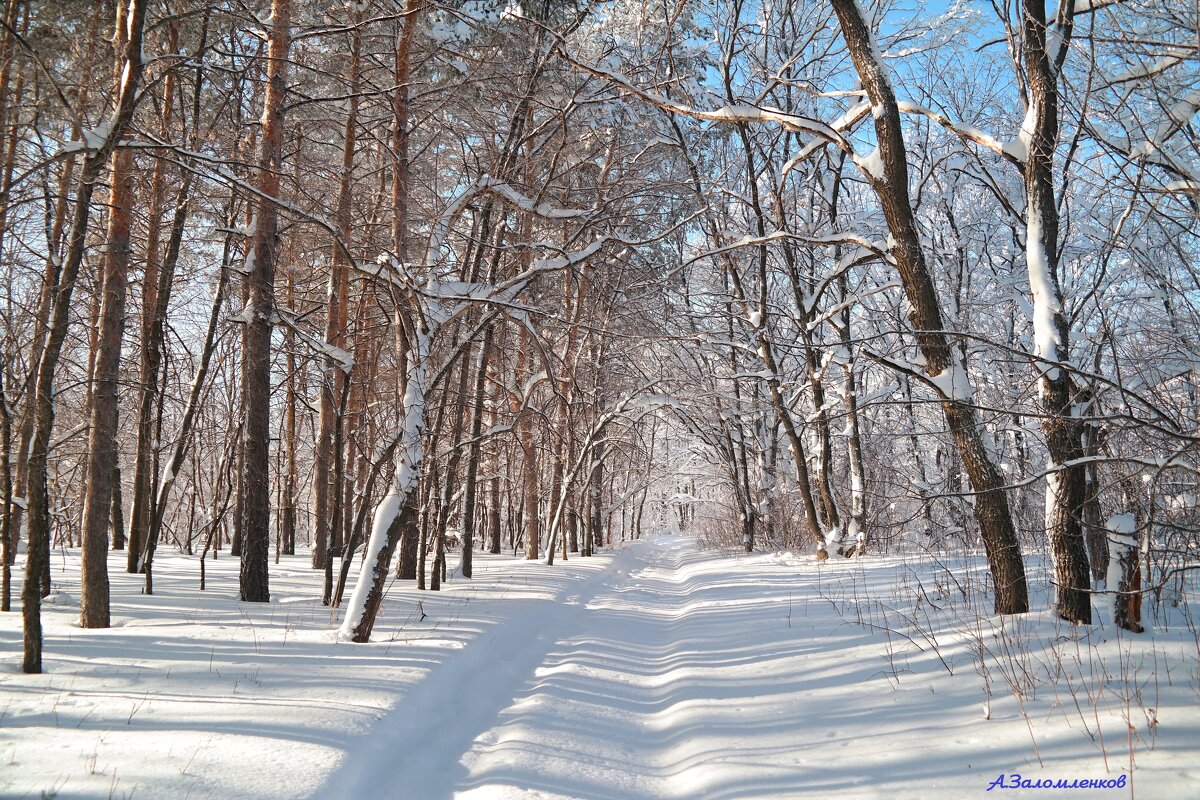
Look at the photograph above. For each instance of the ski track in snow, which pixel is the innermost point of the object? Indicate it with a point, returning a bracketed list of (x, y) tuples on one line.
[(655, 691), (419, 750), (674, 674)]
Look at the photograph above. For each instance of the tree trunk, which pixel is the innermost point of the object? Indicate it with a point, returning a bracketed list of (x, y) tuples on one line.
[(117, 510), (596, 531), (891, 187), (405, 330), (39, 500), (1097, 540), (102, 439), (390, 515), (7, 535), (1125, 572), (529, 487), (256, 376), (328, 527), (162, 491), (154, 309), (287, 525), (858, 478), (494, 517), (49, 283), (1066, 480), (471, 479)]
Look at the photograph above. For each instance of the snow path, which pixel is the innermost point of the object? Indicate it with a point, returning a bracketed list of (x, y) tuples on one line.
[(667, 675), (421, 753), (660, 692)]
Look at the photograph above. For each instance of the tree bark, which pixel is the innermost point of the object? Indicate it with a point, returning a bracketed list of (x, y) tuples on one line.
[(39, 501), (162, 488), (287, 524), (26, 420), (156, 290), (102, 439), (404, 329), (116, 517), (991, 504), (7, 535), (256, 365), (494, 527), (1066, 480), (472, 471), (390, 515), (9, 100)]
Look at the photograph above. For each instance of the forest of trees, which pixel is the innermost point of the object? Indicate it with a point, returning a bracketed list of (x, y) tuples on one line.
[(377, 280)]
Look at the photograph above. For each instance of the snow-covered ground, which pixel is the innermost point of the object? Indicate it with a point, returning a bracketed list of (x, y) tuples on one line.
[(656, 671)]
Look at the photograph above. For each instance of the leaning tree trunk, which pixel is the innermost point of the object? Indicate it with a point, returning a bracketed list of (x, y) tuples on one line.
[(25, 421), (890, 185), (129, 78), (256, 338), (183, 440), (391, 514)]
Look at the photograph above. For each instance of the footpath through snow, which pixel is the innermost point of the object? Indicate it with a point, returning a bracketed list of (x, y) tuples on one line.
[(657, 671)]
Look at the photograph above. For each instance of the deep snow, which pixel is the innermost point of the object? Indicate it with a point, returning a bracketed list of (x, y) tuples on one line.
[(656, 671)]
